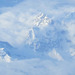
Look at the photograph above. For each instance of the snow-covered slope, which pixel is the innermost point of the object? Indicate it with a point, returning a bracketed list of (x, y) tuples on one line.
[(38, 38)]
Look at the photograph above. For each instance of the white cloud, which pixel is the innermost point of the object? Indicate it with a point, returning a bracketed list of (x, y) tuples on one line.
[(37, 67), (55, 55), (17, 28)]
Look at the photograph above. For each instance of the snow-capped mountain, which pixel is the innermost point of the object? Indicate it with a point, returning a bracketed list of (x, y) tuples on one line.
[(37, 37), (4, 56), (41, 37)]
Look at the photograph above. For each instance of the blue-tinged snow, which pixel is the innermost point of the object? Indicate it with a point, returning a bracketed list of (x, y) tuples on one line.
[(37, 37)]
